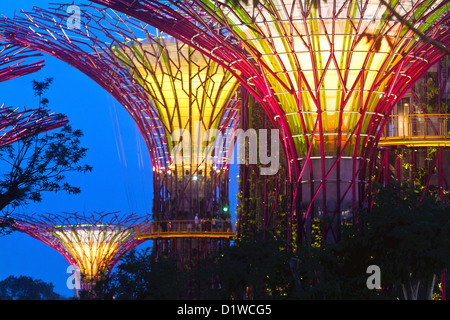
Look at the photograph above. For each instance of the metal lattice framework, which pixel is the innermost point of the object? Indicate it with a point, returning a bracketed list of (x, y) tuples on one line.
[(92, 242), (192, 95), (327, 74), (15, 124), (12, 62), (18, 124), (172, 92)]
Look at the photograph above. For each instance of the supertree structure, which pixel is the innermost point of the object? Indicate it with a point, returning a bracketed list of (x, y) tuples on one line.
[(327, 73), (194, 98), (12, 62), (183, 102), (92, 243)]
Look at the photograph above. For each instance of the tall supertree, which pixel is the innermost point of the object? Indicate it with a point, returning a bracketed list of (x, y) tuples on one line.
[(183, 103), (92, 243), (327, 73), (195, 100)]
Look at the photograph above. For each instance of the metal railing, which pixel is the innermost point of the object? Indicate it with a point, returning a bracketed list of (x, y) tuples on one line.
[(420, 127), (186, 228)]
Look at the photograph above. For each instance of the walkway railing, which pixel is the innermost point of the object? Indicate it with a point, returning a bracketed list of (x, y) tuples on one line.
[(417, 129), (186, 228)]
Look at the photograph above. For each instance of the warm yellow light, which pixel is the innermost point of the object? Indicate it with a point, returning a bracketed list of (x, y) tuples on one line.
[(321, 65), (189, 91), (92, 247)]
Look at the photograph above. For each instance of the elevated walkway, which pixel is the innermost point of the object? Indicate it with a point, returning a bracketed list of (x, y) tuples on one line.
[(186, 228), (419, 130)]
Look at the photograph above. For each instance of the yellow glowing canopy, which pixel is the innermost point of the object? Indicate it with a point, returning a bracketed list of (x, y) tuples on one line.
[(93, 247), (326, 62), (189, 91)]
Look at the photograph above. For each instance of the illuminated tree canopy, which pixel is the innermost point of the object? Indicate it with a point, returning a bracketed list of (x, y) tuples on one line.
[(91, 242)]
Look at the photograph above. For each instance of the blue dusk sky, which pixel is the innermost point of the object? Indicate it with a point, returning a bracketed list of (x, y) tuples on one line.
[(121, 179)]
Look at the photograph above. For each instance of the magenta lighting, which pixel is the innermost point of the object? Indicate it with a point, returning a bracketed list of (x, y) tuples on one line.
[(12, 62), (16, 124)]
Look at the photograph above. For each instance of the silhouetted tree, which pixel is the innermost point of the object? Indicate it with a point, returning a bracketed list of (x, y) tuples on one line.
[(141, 275), (26, 288), (39, 162), (406, 234), (255, 269)]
